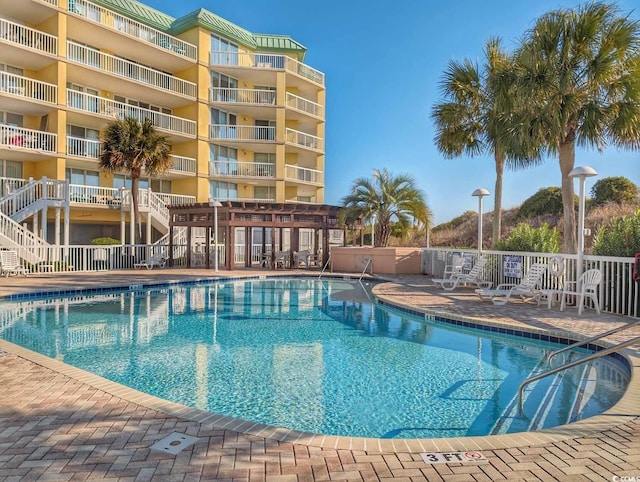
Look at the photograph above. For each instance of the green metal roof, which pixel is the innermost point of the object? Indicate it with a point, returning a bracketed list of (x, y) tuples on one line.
[(210, 21), (278, 43), (203, 18), (139, 12)]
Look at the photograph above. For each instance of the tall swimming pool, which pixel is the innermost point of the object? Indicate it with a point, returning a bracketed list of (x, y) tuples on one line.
[(313, 355)]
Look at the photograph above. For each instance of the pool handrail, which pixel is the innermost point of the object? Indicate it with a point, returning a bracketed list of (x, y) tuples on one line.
[(589, 340), (593, 356), (325, 266)]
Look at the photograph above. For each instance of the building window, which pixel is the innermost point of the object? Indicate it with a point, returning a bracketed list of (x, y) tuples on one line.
[(123, 181), (265, 157), (223, 190), (161, 185), (83, 141), (223, 52), (82, 177), (264, 192)]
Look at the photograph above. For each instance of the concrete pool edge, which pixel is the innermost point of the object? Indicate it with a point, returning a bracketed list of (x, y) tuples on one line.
[(624, 411)]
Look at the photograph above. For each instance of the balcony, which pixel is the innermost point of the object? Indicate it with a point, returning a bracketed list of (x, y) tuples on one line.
[(242, 169), (85, 148), (109, 108), (243, 199), (303, 175), (304, 140), (96, 196), (123, 25), (175, 198), (20, 143), (25, 95), (300, 104), (265, 62), (129, 71), (183, 165), (26, 46), (242, 136)]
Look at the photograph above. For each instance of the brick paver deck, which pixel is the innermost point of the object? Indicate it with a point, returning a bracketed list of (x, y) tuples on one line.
[(60, 423)]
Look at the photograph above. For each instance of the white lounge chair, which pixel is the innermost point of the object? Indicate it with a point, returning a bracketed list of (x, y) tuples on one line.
[(473, 277), (527, 288), (157, 259), (585, 288), (10, 263)]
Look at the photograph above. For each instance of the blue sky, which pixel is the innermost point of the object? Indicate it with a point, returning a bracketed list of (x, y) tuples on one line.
[(382, 69)]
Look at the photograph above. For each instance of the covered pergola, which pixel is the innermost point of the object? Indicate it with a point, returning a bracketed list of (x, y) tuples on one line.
[(229, 218)]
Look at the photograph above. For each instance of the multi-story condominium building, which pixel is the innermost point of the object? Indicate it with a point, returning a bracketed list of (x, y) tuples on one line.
[(244, 113)]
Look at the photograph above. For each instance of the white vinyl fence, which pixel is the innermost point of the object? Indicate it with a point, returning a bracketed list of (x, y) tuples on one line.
[(619, 293)]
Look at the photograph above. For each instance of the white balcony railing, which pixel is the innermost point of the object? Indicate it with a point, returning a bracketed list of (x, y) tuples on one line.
[(243, 199), (28, 88), (81, 147), (242, 169), (128, 70), (305, 140), (183, 164), (19, 137), (304, 105), (100, 105), (303, 174), (28, 37), (95, 195), (242, 133), (243, 96), (266, 61), (114, 21), (175, 198)]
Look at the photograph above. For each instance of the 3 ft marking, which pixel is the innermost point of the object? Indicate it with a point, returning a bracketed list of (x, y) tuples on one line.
[(452, 457)]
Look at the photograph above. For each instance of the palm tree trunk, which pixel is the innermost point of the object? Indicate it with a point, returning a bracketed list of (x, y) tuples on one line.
[(567, 160), (497, 198)]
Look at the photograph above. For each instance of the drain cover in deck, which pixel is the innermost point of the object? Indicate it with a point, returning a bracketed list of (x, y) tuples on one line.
[(174, 443)]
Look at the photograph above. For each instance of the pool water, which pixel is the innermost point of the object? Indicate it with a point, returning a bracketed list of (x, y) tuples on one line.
[(312, 355)]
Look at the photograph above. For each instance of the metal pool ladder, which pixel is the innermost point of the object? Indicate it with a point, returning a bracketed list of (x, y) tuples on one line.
[(325, 266), (369, 260), (572, 364)]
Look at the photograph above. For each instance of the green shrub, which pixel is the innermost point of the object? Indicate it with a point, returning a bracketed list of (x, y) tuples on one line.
[(617, 189), (547, 200), (620, 238), (104, 241), (525, 238)]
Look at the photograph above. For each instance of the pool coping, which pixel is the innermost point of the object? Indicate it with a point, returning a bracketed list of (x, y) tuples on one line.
[(622, 412)]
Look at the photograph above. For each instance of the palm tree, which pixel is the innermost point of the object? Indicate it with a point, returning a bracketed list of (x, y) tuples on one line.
[(475, 115), (580, 73), (388, 199), (130, 147)]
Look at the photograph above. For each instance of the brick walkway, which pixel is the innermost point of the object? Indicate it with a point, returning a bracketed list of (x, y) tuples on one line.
[(57, 424)]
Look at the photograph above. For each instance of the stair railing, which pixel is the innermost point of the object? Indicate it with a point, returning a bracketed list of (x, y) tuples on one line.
[(572, 364)]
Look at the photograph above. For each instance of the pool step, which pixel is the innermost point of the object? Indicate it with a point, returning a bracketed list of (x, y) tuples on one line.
[(544, 401)]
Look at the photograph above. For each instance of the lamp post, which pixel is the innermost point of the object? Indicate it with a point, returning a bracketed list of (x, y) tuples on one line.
[(373, 229), (582, 173), (480, 193), (215, 204)]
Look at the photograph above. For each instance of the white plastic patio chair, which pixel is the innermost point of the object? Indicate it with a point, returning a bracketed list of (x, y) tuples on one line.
[(10, 263), (457, 263), (586, 287), (527, 288), (303, 256), (473, 277), (282, 258)]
